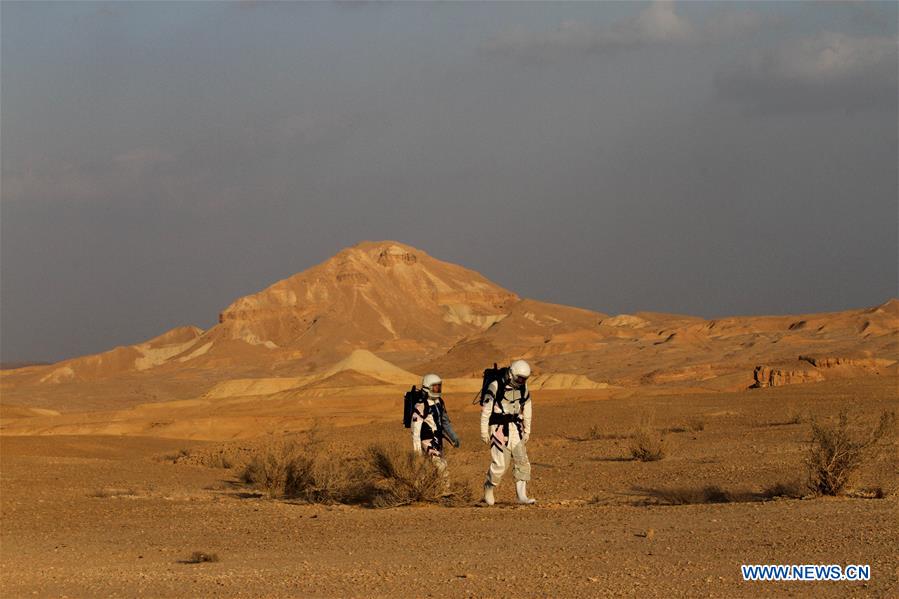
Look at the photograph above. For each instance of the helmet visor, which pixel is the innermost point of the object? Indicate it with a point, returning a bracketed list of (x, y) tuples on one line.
[(436, 387), (519, 380)]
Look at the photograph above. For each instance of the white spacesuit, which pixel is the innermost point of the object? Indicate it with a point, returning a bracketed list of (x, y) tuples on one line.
[(506, 427), (430, 422)]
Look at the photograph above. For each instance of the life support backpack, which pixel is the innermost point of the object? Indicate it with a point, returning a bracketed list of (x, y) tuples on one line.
[(499, 376), (413, 396)]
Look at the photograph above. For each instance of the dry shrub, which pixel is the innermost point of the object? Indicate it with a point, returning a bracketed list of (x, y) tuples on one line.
[(386, 476), (696, 424), (209, 458), (790, 490), (688, 495), (216, 459), (793, 418), (647, 444), (200, 557), (595, 433), (400, 477), (716, 494), (835, 453), (306, 472), (677, 428), (868, 493), (321, 477), (174, 457), (269, 469), (712, 494)]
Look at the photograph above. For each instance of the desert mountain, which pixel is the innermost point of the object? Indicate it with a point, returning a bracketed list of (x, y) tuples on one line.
[(384, 297), (383, 313)]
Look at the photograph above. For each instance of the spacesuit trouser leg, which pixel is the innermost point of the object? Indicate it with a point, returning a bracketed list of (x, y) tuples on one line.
[(500, 456), (521, 466), (439, 462)]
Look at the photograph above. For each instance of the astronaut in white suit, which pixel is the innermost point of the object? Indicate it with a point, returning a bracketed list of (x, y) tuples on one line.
[(431, 423), (506, 428)]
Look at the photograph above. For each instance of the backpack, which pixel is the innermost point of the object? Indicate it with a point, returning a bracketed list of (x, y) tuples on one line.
[(490, 375), (412, 397)]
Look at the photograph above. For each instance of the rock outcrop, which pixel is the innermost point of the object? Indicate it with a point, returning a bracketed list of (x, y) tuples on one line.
[(809, 369), (768, 376)]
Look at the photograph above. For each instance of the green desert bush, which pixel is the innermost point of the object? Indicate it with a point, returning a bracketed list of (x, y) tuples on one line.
[(835, 452)]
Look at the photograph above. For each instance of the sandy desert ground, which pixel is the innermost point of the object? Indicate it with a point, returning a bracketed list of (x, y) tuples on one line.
[(108, 515), (116, 467)]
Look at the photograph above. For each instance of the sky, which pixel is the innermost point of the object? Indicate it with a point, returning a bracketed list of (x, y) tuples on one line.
[(161, 159)]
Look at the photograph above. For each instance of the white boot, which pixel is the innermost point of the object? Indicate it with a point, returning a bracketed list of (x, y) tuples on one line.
[(521, 489), (488, 494)]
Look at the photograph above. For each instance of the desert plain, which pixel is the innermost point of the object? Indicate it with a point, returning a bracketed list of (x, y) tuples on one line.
[(118, 470)]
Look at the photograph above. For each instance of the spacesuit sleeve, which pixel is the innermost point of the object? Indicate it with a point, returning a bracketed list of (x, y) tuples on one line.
[(416, 429), (486, 410), (448, 428), (526, 418)]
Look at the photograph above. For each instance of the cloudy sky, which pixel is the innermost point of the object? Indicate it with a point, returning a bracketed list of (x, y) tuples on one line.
[(160, 159)]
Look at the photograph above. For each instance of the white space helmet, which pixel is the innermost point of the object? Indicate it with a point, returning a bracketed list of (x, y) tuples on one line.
[(519, 372), (433, 384)]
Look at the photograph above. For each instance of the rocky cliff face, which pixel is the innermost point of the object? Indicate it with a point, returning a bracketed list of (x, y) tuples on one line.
[(809, 369), (768, 376)]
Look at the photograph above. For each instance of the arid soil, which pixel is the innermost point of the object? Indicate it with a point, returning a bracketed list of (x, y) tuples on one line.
[(93, 515)]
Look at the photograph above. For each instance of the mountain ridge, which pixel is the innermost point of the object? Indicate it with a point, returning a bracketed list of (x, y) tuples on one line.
[(413, 313)]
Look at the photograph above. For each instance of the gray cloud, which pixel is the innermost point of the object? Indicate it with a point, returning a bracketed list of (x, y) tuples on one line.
[(658, 24), (827, 71), (160, 164)]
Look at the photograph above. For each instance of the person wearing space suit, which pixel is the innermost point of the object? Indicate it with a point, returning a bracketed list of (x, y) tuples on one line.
[(506, 428), (431, 423)]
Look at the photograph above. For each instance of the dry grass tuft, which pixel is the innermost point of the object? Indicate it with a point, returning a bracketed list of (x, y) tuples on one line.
[(269, 469), (174, 457), (792, 419), (696, 424), (217, 459), (112, 493), (689, 495), (868, 493), (647, 444), (789, 490), (835, 453), (386, 476), (200, 557), (321, 477), (595, 433), (400, 477), (209, 459)]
